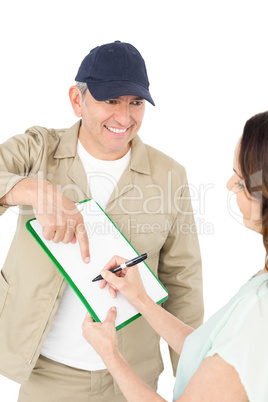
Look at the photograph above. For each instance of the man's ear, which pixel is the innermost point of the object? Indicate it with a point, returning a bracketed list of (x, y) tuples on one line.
[(76, 100)]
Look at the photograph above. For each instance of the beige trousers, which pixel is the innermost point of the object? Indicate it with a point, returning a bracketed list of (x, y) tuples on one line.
[(54, 382)]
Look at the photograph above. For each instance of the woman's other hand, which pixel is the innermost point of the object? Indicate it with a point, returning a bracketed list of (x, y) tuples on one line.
[(101, 335)]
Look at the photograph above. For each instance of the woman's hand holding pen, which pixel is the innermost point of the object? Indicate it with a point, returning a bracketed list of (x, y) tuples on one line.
[(127, 281), (102, 336)]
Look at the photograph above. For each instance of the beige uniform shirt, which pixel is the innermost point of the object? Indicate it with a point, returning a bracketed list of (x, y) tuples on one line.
[(150, 205)]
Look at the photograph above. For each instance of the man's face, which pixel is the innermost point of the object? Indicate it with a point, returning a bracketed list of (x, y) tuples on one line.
[(109, 126)]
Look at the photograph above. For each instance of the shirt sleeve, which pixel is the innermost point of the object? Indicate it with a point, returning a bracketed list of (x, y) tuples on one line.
[(19, 158), (180, 268), (242, 343)]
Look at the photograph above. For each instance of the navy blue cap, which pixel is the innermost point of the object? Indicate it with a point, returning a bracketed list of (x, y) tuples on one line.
[(115, 69)]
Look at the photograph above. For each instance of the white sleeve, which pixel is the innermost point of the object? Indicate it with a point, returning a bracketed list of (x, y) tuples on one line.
[(243, 344)]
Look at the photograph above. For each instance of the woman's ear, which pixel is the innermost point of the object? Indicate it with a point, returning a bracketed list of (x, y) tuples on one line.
[(76, 100)]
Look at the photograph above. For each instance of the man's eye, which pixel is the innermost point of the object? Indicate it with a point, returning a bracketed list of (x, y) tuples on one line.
[(111, 101), (137, 103)]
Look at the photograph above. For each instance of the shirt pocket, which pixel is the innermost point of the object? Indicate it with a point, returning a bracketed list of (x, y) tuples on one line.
[(4, 287), (148, 234)]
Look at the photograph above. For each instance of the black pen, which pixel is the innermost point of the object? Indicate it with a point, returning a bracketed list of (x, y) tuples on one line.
[(126, 264)]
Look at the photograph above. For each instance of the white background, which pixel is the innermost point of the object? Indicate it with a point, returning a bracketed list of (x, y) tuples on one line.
[(208, 67)]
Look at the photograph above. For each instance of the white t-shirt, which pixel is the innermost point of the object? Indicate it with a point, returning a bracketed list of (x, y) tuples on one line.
[(65, 343)]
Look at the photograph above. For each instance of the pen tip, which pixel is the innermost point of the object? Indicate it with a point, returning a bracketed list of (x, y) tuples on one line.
[(98, 278)]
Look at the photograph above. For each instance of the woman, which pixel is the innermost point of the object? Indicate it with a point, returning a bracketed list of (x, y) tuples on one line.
[(226, 359)]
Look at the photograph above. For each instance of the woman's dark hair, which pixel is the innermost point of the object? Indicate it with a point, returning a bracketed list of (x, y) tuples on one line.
[(253, 163)]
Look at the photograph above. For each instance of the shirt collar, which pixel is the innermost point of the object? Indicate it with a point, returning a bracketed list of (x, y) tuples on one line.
[(68, 143), (68, 148), (139, 157)]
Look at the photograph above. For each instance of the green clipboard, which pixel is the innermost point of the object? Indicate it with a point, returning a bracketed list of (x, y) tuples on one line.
[(105, 240)]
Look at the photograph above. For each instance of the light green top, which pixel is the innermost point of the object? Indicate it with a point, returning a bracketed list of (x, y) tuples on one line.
[(238, 333)]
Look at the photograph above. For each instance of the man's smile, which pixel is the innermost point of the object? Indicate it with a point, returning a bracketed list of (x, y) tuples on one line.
[(116, 130)]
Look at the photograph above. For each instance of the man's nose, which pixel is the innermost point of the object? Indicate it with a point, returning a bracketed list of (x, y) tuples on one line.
[(122, 115)]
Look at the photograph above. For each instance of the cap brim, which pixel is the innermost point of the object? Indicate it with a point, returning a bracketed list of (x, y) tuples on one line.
[(102, 91)]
